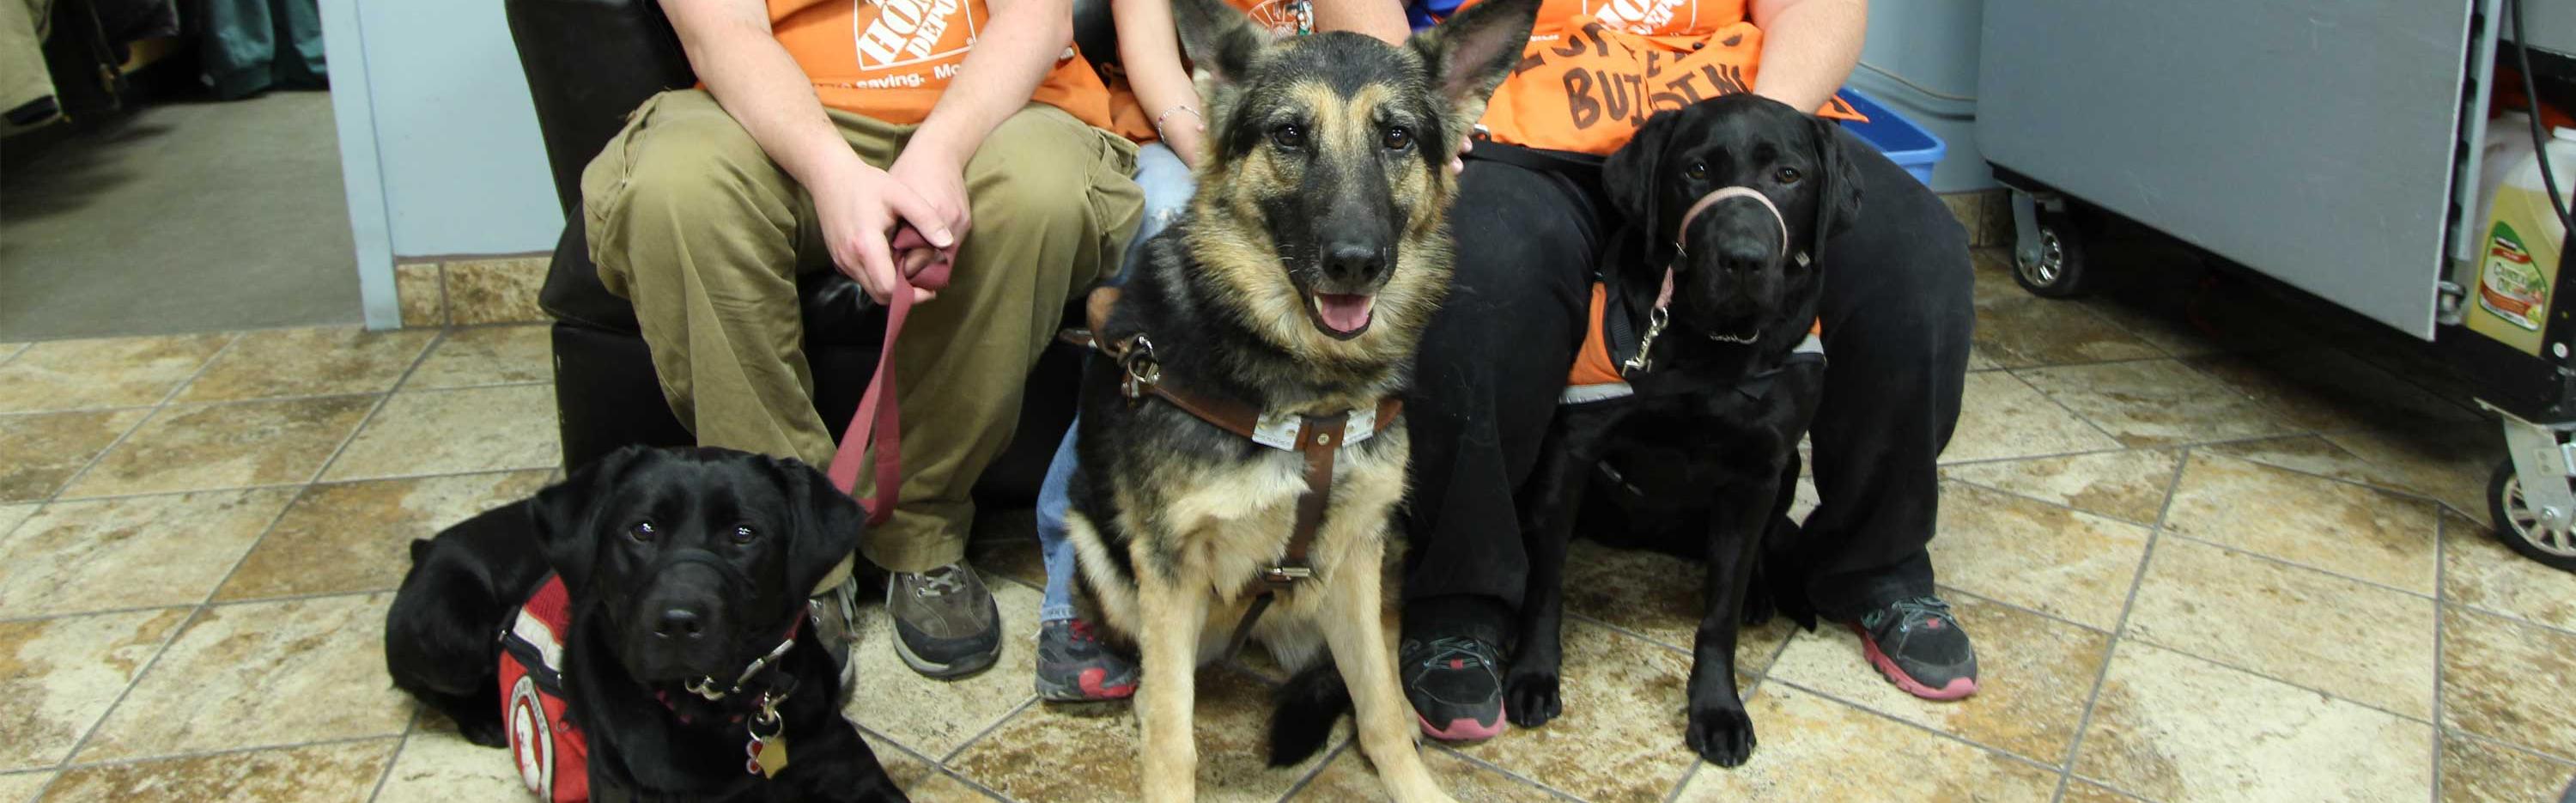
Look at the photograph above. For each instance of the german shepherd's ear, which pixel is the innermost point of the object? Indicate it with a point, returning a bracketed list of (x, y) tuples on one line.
[(1838, 200), (827, 524), (564, 515), (1633, 177), (1218, 38), (1471, 53)]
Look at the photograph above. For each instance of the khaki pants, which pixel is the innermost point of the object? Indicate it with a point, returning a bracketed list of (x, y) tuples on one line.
[(691, 222)]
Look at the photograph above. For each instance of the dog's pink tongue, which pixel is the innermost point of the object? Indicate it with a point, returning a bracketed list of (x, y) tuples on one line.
[(1344, 313)]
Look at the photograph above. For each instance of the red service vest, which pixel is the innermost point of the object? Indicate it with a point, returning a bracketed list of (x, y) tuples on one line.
[(552, 755)]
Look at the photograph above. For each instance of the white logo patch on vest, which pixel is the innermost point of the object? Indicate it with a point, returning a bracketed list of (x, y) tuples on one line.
[(532, 740)]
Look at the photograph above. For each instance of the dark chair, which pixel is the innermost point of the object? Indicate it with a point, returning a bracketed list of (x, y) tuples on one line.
[(588, 63)]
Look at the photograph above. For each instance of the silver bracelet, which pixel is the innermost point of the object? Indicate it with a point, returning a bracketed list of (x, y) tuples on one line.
[(1158, 119)]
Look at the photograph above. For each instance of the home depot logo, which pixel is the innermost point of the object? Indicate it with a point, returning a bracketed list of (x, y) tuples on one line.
[(1643, 16), (909, 31)]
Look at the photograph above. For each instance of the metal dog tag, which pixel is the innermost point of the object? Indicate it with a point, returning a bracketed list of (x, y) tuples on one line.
[(769, 756)]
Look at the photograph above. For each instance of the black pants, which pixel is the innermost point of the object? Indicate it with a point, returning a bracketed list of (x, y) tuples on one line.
[(1897, 316)]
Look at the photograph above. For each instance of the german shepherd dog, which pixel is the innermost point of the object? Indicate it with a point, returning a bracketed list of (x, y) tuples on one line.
[(1297, 284), (1707, 444)]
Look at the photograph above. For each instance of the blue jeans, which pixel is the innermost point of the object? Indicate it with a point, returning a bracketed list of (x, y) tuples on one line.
[(1168, 185)]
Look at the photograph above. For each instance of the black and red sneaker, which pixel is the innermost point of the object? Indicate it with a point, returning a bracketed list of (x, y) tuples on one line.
[(1073, 666), (1920, 647), (1456, 685)]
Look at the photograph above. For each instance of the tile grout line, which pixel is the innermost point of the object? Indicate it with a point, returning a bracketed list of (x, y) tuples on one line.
[(401, 743), (2397, 492), (1330, 756), (207, 604), (382, 401), (156, 408), (988, 730), (2495, 743), (232, 751), (1973, 744), (1496, 769), (64, 765), (2110, 655), (2285, 562), (277, 485), (2334, 696), (935, 765), (2048, 502), (2052, 398), (1685, 782), (195, 612), (2441, 576)]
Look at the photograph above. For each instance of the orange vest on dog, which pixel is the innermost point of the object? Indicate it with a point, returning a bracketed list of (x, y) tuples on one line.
[(1597, 375)]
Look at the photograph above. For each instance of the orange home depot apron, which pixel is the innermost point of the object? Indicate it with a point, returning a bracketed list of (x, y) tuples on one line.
[(891, 59), (1594, 70)]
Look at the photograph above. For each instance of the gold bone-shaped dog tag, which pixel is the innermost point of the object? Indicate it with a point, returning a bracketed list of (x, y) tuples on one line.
[(771, 756)]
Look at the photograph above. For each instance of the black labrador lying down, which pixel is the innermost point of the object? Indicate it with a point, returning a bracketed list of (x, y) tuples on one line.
[(1701, 415), (673, 655)]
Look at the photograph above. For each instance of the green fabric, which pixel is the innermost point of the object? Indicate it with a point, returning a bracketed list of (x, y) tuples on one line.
[(252, 46)]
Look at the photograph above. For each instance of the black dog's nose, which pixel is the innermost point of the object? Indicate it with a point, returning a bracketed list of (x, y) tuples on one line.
[(1741, 254), (677, 623), (1351, 264)]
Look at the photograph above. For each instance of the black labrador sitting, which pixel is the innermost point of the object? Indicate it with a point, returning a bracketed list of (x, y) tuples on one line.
[(1727, 199), (675, 646)]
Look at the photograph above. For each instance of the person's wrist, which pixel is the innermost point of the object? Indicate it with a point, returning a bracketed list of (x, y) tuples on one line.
[(931, 147)]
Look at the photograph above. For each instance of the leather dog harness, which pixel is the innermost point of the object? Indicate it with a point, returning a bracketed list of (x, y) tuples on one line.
[(1316, 438)]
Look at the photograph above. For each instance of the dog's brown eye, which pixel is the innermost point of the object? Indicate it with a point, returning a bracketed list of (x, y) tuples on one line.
[(1787, 175), (744, 534), (1697, 170), (642, 531), (1288, 136), (1397, 138)]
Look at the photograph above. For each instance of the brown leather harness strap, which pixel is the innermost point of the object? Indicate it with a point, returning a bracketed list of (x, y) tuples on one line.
[(1318, 439)]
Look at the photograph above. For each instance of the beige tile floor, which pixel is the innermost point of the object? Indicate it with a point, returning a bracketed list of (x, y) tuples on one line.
[(2217, 561)]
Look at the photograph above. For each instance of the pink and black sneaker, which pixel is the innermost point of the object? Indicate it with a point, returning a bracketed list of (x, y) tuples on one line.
[(1456, 686), (1074, 667), (1919, 646)]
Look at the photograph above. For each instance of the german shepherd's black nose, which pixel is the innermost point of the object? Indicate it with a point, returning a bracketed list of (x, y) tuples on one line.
[(1352, 265)]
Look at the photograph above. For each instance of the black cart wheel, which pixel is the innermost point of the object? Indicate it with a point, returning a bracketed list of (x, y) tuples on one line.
[(2520, 527), (2058, 271)]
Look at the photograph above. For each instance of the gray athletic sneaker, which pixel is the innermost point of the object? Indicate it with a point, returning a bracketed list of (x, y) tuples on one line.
[(835, 615), (945, 624)]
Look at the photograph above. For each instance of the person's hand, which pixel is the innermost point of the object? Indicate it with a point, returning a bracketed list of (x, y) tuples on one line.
[(1458, 161), (860, 211), (940, 180)]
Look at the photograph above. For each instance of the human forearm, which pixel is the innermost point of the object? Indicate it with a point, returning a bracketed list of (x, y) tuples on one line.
[(728, 43), (1383, 19), (1808, 48), (1013, 54), (1151, 54)]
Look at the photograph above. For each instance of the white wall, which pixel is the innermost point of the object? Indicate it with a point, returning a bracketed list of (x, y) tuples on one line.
[(464, 167), (1932, 43), (438, 140)]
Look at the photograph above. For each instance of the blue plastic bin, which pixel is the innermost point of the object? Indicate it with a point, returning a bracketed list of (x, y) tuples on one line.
[(1904, 143)]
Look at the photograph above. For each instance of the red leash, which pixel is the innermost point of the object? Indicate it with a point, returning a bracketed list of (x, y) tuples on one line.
[(878, 413)]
